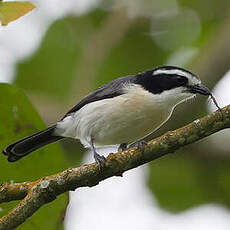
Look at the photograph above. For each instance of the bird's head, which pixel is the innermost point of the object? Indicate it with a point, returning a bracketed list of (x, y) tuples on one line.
[(172, 84)]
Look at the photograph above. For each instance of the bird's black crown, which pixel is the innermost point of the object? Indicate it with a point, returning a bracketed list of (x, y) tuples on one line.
[(163, 78)]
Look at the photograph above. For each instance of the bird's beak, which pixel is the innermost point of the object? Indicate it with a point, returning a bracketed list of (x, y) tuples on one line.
[(199, 88)]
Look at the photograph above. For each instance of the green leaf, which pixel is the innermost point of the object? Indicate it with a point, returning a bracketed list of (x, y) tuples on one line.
[(10, 11), (18, 118), (57, 59)]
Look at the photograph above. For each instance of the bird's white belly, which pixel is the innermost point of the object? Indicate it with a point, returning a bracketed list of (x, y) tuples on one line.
[(127, 124), (124, 119)]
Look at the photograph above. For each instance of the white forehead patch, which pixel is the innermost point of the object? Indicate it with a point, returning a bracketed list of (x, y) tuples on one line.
[(172, 71), (191, 78)]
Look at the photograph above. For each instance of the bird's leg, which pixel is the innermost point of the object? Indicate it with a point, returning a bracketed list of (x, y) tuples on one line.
[(98, 158), (139, 144), (122, 147)]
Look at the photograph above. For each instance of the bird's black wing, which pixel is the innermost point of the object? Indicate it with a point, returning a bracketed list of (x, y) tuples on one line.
[(109, 90)]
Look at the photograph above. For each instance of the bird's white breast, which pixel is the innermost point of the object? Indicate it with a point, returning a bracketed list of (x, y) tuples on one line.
[(122, 119)]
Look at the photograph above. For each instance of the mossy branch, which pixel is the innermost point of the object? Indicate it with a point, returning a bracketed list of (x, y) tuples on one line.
[(37, 193)]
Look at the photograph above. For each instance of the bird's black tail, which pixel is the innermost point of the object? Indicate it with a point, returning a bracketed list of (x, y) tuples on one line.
[(29, 144)]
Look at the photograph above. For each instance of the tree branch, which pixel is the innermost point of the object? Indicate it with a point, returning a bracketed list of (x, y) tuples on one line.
[(35, 194)]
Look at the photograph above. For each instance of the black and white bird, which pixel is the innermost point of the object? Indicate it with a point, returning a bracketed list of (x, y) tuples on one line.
[(121, 112)]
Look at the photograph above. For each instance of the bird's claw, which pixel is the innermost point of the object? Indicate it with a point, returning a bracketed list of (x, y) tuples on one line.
[(100, 160), (122, 147), (139, 145)]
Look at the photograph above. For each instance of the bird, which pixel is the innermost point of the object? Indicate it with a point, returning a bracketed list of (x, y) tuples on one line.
[(122, 112)]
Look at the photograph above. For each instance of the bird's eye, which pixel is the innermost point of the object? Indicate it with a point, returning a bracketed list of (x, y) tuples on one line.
[(181, 80)]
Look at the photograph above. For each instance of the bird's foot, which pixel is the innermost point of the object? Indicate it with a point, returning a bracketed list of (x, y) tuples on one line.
[(100, 160), (122, 147), (139, 145)]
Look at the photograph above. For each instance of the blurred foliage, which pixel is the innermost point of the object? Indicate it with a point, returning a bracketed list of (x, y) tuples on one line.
[(56, 60), (10, 11), (183, 180), (18, 119), (134, 53)]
